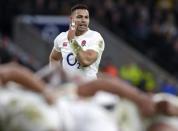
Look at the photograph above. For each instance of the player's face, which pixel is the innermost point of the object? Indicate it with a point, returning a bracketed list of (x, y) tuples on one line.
[(81, 18)]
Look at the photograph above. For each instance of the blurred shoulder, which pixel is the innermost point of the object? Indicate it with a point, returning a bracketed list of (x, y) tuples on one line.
[(62, 35), (95, 34)]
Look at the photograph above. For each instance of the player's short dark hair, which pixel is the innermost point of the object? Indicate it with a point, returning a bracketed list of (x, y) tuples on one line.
[(79, 6)]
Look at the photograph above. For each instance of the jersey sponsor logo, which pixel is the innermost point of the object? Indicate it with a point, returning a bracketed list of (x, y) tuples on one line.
[(83, 43), (64, 44), (72, 61)]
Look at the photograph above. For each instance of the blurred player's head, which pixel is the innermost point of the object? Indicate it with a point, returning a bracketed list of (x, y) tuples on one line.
[(80, 14)]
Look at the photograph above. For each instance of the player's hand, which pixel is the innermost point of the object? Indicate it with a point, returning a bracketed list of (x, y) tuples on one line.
[(72, 30)]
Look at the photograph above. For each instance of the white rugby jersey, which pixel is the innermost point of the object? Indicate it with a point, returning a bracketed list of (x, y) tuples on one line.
[(89, 40)]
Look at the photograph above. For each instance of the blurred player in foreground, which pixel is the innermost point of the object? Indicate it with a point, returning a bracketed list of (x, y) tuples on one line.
[(70, 111), (79, 48), (166, 118)]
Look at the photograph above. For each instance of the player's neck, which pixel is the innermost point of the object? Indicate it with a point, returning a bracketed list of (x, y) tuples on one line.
[(78, 33)]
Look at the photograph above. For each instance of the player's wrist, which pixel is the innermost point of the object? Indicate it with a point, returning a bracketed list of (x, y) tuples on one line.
[(72, 41), (75, 46)]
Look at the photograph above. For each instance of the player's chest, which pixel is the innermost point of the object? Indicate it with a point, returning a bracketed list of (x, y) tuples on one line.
[(83, 42)]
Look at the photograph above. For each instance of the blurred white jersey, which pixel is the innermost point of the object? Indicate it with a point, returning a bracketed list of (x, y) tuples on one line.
[(27, 111), (89, 40), (84, 116)]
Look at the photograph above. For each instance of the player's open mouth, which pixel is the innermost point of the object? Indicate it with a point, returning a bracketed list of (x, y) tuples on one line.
[(83, 25)]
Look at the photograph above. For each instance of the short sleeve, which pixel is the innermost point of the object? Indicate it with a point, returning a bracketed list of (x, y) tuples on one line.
[(58, 42), (98, 44)]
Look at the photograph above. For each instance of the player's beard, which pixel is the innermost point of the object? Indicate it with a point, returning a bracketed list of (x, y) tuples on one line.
[(82, 28)]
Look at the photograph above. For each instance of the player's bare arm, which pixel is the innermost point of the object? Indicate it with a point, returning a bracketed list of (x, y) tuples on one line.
[(55, 57), (120, 88), (87, 57), (21, 75), (25, 77)]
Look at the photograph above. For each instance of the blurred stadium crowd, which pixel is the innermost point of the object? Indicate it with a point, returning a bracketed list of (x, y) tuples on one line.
[(149, 25)]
